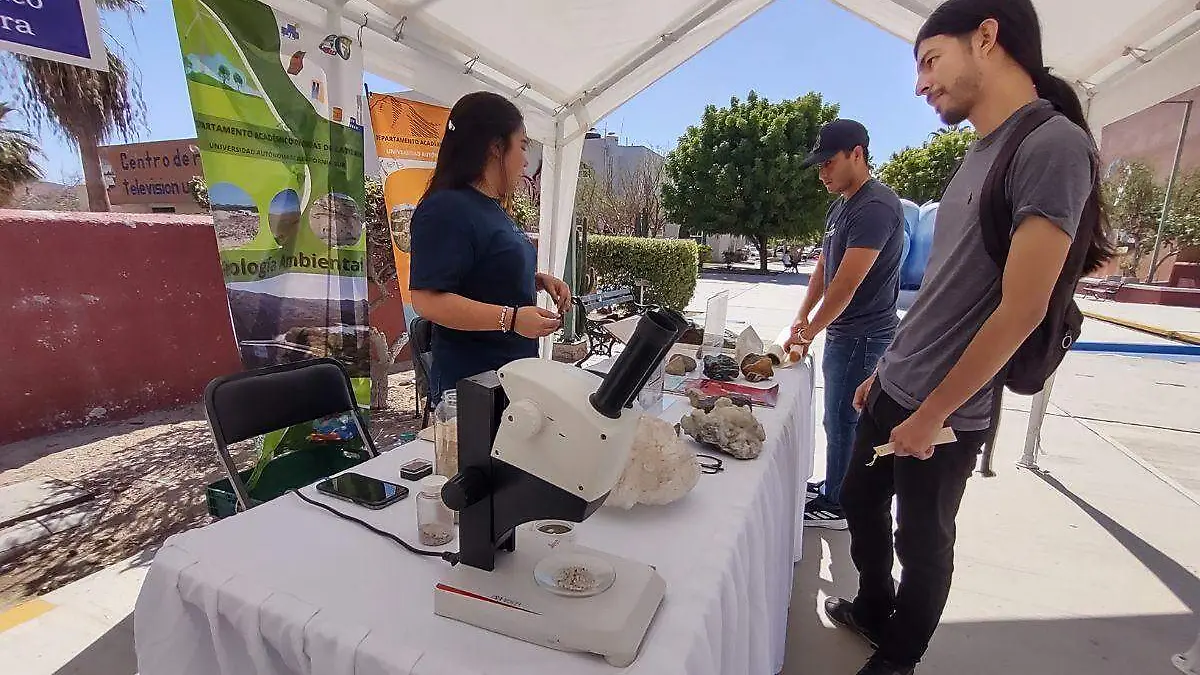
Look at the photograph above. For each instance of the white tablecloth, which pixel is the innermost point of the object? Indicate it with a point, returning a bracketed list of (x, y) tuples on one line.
[(289, 588)]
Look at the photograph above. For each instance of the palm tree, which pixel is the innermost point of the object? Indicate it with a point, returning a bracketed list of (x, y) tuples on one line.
[(86, 106), (17, 150)]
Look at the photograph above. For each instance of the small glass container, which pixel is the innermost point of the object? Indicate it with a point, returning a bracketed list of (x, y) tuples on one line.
[(435, 520), (445, 435)]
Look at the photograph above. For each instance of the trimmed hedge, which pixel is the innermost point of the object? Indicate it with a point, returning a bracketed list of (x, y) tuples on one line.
[(706, 254), (670, 265)]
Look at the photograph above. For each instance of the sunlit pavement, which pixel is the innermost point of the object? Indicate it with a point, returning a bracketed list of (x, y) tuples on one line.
[(1091, 567)]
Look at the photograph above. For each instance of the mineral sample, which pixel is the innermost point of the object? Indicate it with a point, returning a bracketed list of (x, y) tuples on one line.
[(706, 402), (720, 368), (747, 343), (681, 364), (757, 368), (661, 469), (731, 429)]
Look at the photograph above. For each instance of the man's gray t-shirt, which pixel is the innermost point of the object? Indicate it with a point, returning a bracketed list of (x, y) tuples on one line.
[(872, 218), (1050, 176)]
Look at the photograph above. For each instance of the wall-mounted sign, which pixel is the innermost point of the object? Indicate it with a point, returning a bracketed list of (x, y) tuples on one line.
[(157, 172), (56, 30)]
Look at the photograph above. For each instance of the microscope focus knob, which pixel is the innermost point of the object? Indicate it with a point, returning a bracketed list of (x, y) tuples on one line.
[(467, 487), (524, 418)]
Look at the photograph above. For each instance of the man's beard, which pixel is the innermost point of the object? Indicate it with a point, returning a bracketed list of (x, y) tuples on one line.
[(953, 117), (962, 94)]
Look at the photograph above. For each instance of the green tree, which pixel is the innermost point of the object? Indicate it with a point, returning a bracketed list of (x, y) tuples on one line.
[(223, 73), (237, 80), (17, 150), (85, 106), (1134, 200), (587, 197), (524, 211), (739, 171), (1182, 229), (921, 174)]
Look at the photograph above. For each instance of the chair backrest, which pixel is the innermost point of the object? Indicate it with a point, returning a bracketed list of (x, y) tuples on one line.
[(420, 336), (255, 402)]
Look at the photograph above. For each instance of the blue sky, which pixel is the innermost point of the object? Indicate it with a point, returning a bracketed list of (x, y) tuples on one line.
[(786, 50)]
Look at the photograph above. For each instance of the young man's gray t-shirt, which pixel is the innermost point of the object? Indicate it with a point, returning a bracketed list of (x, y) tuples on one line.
[(872, 218), (1051, 176)]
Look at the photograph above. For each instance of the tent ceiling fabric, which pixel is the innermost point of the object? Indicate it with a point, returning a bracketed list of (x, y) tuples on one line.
[(569, 63), (1094, 44)]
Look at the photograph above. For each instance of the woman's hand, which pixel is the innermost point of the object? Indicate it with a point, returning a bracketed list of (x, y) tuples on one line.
[(535, 322), (558, 289), (798, 337)]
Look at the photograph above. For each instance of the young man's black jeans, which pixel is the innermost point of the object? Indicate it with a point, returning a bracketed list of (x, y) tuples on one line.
[(928, 493)]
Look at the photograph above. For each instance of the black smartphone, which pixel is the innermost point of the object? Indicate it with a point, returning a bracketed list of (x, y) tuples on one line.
[(362, 490)]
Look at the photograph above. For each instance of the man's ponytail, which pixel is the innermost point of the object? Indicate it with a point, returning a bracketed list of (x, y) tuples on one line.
[(1020, 35)]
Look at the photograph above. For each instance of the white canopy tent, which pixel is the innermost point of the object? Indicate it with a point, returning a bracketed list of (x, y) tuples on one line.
[(568, 63), (565, 63), (1122, 55)]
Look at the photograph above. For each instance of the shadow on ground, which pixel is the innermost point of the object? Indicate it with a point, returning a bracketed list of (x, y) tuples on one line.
[(755, 277), (114, 649), (1108, 645), (148, 477)]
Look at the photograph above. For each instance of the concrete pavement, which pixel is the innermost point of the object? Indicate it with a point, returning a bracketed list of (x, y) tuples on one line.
[(1090, 568)]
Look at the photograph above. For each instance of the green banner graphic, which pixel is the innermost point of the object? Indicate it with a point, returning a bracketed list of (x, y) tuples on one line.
[(277, 104)]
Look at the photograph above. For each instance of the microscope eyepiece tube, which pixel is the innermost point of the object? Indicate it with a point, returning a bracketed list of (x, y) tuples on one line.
[(656, 331)]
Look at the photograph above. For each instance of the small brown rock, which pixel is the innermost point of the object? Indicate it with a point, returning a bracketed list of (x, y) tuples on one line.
[(681, 364)]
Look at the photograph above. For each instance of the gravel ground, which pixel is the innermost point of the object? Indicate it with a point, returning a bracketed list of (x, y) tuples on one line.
[(148, 475)]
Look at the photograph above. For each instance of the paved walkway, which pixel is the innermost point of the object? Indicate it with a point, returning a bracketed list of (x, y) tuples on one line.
[(1091, 568)]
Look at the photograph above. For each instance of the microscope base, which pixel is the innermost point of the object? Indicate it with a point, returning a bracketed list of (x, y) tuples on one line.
[(509, 601)]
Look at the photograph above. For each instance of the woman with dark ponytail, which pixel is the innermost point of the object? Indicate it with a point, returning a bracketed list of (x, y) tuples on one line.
[(978, 61), (473, 271)]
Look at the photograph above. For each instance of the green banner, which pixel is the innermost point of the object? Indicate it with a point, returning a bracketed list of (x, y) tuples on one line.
[(277, 104)]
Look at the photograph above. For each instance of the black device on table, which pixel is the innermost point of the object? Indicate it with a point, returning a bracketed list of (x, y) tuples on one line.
[(416, 469), (371, 493)]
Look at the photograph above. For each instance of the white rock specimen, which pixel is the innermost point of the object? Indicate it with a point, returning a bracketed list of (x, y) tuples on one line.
[(733, 429), (662, 467), (747, 343)]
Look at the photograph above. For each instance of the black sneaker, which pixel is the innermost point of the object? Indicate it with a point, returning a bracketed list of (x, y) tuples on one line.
[(820, 513), (841, 612), (812, 491), (877, 665)]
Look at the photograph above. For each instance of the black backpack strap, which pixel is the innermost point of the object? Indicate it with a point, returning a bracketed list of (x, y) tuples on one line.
[(996, 223), (995, 209)]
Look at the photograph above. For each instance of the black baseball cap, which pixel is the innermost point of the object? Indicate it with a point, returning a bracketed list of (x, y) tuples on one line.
[(837, 136)]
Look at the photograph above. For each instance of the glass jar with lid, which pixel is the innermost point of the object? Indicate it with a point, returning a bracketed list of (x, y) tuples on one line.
[(445, 435), (435, 520)]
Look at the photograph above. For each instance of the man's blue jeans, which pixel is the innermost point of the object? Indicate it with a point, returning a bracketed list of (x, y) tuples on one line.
[(846, 364)]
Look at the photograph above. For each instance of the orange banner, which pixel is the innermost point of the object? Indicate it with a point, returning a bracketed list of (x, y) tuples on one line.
[(407, 137)]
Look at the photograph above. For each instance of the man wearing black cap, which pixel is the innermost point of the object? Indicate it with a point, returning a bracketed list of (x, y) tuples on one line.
[(857, 282)]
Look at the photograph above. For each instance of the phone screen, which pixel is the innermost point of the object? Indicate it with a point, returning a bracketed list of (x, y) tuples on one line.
[(363, 489)]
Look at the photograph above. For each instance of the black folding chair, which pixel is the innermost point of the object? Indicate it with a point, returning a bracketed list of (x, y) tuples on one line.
[(256, 402), (420, 336)]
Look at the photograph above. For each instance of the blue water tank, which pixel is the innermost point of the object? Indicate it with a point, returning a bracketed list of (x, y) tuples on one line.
[(912, 213), (920, 245)]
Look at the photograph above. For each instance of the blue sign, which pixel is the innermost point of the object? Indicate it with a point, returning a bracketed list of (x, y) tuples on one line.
[(56, 30)]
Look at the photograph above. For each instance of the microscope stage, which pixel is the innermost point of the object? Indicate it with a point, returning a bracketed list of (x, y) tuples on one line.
[(509, 601)]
